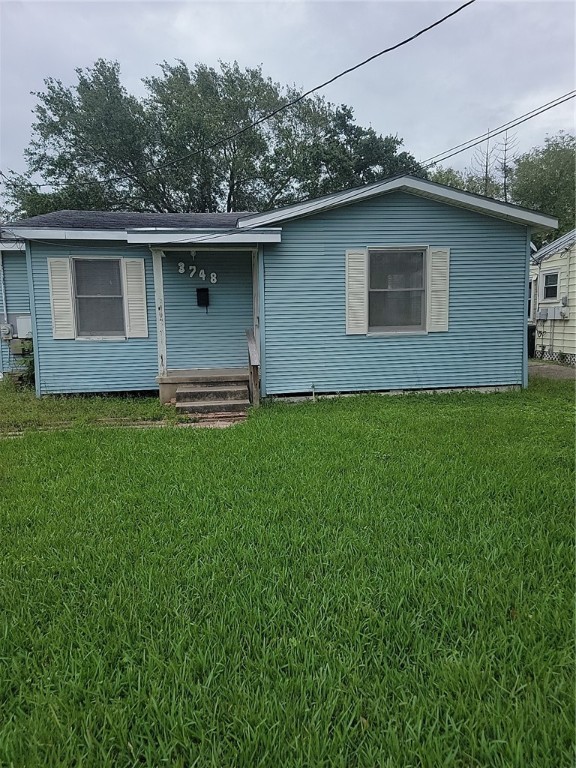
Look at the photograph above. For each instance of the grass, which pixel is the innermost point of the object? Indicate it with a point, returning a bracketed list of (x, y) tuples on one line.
[(20, 409), (358, 582)]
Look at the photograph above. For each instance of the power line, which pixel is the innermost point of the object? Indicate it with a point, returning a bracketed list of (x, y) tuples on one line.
[(504, 125), (288, 104), (496, 132)]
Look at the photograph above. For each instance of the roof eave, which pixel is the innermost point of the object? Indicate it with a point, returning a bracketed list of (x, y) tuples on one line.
[(154, 236), (417, 186)]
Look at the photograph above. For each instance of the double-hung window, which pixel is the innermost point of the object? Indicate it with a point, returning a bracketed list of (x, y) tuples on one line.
[(98, 297), (396, 290), (550, 286)]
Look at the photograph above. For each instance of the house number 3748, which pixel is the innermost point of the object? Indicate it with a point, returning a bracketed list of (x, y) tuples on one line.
[(193, 271)]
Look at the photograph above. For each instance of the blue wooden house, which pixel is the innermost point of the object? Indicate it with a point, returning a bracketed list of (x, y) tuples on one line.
[(401, 285)]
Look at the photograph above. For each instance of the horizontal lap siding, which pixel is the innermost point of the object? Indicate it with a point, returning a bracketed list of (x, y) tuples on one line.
[(559, 334), (81, 365), (17, 298), (196, 338), (305, 321)]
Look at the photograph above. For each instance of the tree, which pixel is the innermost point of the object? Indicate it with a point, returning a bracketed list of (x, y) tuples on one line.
[(482, 175), (543, 179), (479, 181), (505, 159), (99, 147)]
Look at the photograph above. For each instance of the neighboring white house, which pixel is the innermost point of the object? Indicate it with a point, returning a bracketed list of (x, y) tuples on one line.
[(552, 299)]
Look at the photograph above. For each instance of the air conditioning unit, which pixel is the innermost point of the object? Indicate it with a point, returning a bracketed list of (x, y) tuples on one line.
[(542, 314)]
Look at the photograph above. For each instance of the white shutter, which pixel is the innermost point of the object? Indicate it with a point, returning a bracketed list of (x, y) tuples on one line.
[(61, 299), (356, 291), (135, 298), (438, 288)]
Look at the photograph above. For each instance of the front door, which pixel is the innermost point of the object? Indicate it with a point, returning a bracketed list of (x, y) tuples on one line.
[(212, 336)]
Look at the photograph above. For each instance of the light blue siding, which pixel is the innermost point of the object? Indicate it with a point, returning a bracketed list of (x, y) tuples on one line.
[(196, 338), (82, 365), (305, 324), (17, 299)]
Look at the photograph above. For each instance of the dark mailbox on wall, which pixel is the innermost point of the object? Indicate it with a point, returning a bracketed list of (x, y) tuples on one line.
[(203, 297)]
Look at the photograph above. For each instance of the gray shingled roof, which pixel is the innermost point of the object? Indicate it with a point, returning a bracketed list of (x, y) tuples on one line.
[(122, 220), (561, 244)]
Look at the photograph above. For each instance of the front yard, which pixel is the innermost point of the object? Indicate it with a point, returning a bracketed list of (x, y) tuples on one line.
[(371, 581)]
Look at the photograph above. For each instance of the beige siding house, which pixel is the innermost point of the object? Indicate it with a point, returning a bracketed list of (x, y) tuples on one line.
[(552, 299)]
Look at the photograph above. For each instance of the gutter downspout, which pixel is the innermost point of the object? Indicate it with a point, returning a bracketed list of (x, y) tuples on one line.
[(4, 309), (3, 291), (524, 367)]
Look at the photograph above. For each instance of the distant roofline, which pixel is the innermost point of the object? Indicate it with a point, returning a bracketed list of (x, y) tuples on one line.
[(563, 243)]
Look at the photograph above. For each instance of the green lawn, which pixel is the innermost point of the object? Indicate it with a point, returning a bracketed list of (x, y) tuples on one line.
[(372, 581)]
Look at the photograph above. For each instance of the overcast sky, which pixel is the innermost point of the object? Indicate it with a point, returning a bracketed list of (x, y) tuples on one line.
[(488, 64)]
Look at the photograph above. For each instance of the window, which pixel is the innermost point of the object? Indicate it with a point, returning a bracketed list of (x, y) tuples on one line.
[(396, 290), (98, 297), (550, 290)]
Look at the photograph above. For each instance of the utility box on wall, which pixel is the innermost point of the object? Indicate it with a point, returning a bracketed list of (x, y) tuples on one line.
[(24, 327)]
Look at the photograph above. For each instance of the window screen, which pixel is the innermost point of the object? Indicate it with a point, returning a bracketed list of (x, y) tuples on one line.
[(551, 286), (98, 293), (396, 296)]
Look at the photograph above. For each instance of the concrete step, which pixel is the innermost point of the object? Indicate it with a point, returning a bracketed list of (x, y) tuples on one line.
[(213, 406), (229, 391), (209, 378)]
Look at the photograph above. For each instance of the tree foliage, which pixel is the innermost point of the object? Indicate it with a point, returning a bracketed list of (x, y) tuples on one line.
[(544, 179), (95, 144)]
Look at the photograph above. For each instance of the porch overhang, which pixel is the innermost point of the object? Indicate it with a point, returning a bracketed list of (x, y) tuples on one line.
[(157, 236), (202, 236)]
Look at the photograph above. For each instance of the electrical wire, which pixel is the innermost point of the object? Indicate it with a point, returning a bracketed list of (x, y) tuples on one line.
[(496, 132), (488, 134), (288, 105)]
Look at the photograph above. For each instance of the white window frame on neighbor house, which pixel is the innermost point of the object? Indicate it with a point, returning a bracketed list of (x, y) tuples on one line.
[(542, 285), (98, 337), (374, 330)]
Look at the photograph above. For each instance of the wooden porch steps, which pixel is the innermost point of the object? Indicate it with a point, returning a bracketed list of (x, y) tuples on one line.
[(211, 396)]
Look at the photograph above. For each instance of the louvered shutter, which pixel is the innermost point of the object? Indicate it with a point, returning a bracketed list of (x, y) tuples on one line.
[(438, 289), (356, 292), (61, 299), (135, 298)]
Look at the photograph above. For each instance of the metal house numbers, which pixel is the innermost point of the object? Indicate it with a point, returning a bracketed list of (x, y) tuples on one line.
[(194, 272)]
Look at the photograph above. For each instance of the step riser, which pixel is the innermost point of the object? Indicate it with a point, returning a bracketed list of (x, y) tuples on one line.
[(207, 383), (188, 395), (217, 406)]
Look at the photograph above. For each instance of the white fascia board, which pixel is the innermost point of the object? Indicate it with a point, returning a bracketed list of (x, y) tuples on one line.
[(12, 245), (197, 238), (68, 234), (482, 204), (408, 184)]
